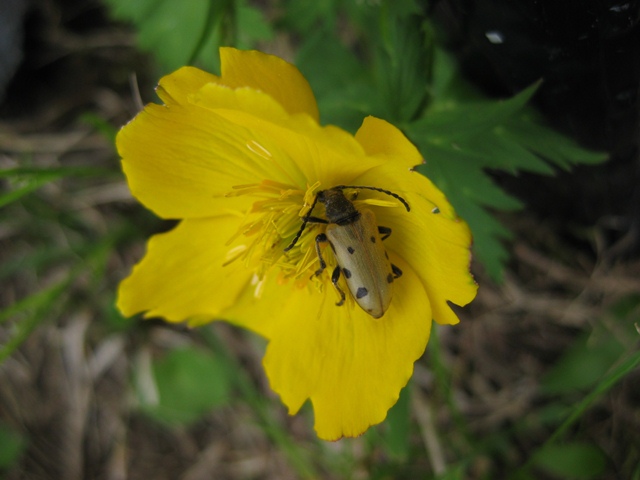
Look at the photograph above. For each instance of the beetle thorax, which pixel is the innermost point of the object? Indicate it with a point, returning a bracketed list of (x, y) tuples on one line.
[(338, 208)]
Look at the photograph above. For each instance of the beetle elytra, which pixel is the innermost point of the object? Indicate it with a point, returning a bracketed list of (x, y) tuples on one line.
[(356, 241)]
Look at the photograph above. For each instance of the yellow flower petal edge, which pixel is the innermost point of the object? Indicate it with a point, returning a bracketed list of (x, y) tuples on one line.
[(270, 74), (380, 138), (182, 270), (183, 159), (239, 159), (350, 366)]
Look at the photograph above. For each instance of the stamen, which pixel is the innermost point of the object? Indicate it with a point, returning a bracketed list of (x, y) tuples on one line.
[(274, 215), (233, 254), (257, 292), (258, 149), (309, 197)]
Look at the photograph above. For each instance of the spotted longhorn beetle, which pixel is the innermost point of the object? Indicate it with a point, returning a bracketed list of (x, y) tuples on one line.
[(356, 241)]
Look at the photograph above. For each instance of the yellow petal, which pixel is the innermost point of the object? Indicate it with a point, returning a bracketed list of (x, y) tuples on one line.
[(270, 74), (179, 85), (293, 143), (183, 161), (379, 137), (182, 274), (349, 364), (430, 237)]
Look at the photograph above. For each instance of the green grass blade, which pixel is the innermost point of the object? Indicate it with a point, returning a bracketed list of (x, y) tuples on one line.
[(35, 308), (605, 385)]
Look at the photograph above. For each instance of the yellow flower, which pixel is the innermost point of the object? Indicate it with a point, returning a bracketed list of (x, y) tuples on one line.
[(239, 159)]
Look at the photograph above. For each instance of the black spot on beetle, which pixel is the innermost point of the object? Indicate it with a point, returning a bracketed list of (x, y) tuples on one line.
[(347, 272), (362, 292), (390, 278), (373, 239), (350, 250), (386, 255)]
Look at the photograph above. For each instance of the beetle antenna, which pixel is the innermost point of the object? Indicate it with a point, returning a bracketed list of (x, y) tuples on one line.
[(305, 220), (394, 195)]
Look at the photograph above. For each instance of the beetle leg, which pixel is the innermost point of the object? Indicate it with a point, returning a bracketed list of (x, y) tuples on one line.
[(396, 271), (384, 232), (320, 238), (335, 276)]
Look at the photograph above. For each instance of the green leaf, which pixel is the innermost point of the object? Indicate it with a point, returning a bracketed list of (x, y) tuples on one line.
[(397, 427), (572, 460), (462, 139), (101, 125), (252, 27), (340, 82), (29, 312), (403, 56), (176, 34), (583, 365), (528, 129), (12, 445), (454, 472), (305, 17), (605, 384), (135, 11), (23, 181), (190, 382), (449, 119)]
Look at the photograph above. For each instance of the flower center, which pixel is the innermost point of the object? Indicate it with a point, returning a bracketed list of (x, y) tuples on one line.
[(269, 226)]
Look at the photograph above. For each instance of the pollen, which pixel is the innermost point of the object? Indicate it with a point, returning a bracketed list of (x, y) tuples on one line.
[(269, 224)]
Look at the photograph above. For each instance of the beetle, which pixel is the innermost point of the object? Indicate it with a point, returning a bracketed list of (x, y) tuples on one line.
[(356, 241)]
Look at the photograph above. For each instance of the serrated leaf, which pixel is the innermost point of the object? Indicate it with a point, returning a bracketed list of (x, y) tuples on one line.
[(460, 141), (504, 153), (451, 120), (572, 460), (459, 173), (527, 129)]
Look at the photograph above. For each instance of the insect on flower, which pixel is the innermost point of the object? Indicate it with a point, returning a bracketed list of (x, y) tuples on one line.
[(237, 158), (356, 241)]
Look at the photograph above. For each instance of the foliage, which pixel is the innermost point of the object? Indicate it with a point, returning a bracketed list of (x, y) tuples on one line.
[(181, 36)]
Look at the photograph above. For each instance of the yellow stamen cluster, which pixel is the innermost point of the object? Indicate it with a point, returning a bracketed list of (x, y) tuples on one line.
[(272, 221)]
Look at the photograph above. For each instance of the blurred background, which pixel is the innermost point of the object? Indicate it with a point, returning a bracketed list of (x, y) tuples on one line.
[(526, 113)]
